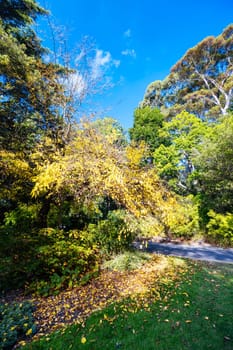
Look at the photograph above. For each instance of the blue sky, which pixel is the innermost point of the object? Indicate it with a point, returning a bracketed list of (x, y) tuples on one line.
[(137, 42)]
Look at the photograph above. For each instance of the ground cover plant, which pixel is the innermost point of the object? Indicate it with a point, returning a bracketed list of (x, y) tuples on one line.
[(169, 303), (16, 321)]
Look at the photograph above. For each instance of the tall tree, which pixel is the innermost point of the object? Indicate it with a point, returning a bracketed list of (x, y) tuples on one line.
[(29, 87), (94, 167), (174, 161), (214, 168), (31, 97), (147, 123), (201, 82)]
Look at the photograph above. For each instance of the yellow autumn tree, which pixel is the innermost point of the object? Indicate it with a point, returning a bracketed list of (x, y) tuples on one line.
[(93, 166), (15, 175)]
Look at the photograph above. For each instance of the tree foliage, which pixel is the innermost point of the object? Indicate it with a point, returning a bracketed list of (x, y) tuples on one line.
[(214, 163), (147, 123), (201, 82), (112, 130), (93, 166), (29, 108), (31, 100), (220, 228), (174, 162)]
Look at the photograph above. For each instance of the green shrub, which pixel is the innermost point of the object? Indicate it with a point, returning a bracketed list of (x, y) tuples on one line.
[(114, 234), (16, 321), (186, 218), (64, 260), (72, 215), (220, 228), (23, 218), (18, 258), (46, 261)]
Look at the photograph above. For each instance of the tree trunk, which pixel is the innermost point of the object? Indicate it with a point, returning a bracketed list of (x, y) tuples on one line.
[(43, 213)]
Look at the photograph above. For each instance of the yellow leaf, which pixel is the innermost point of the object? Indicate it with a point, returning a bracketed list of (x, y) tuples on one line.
[(83, 340), (29, 332), (22, 343)]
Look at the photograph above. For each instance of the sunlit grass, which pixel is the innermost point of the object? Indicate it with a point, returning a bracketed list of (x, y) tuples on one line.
[(130, 260), (193, 313)]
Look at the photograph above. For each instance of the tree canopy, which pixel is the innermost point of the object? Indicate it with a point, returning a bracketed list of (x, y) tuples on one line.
[(214, 164), (29, 109), (201, 82), (147, 123)]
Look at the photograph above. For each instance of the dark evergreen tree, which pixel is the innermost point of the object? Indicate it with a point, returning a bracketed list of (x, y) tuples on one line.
[(29, 88), (31, 101)]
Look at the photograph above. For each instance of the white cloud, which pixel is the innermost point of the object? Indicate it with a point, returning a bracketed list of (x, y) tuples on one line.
[(77, 83), (80, 56), (127, 33), (102, 61), (102, 57), (74, 84), (129, 52), (116, 63)]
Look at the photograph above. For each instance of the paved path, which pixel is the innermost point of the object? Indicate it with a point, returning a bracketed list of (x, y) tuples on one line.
[(207, 253)]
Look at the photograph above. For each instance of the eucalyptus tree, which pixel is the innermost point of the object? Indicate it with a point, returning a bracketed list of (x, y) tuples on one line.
[(201, 82)]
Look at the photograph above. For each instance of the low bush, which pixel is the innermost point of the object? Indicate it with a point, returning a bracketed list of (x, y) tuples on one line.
[(23, 218), (16, 322), (46, 261), (185, 220), (65, 260), (220, 228), (18, 263), (114, 234)]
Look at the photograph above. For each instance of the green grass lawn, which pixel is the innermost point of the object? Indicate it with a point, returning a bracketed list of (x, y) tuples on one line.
[(196, 313)]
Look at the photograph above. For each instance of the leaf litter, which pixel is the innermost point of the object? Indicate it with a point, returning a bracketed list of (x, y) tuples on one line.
[(139, 288)]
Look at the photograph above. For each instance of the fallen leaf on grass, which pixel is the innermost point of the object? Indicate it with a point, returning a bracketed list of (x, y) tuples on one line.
[(83, 340), (140, 288)]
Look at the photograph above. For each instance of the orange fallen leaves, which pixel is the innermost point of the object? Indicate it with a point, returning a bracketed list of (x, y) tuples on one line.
[(139, 288)]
